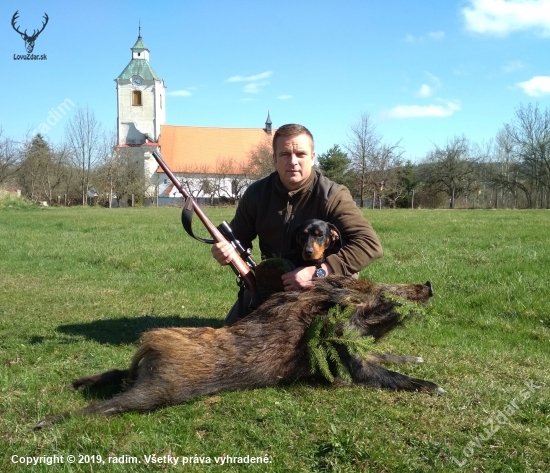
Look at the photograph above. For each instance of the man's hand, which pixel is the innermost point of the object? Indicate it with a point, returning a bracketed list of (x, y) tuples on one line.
[(223, 252), (302, 278)]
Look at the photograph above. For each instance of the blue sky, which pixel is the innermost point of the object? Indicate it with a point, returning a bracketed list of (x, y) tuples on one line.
[(423, 70)]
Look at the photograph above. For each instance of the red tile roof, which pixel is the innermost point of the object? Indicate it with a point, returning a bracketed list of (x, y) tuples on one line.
[(198, 149)]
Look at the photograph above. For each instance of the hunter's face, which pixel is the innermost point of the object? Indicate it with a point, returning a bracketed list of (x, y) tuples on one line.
[(293, 160)]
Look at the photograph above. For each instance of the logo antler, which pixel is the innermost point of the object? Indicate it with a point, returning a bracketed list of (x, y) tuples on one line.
[(29, 40)]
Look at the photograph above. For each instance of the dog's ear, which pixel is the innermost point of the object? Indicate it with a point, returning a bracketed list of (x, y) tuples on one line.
[(296, 235), (334, 233)]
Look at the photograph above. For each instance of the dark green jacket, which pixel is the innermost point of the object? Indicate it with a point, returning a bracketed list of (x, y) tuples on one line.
[(268, 210)]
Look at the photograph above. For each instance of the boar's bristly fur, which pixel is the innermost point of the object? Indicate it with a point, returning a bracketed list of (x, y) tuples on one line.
[(266, 348)]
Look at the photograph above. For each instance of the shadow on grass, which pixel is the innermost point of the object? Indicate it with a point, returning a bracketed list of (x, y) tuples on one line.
[(127, 330)]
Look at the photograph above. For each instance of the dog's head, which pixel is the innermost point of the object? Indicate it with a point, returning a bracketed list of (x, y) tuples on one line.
[(315, 237)]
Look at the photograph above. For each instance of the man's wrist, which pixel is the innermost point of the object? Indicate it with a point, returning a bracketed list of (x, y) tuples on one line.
[(328, 268), (322, 271)]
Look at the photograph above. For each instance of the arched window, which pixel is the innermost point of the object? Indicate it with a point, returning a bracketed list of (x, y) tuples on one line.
[(136, 97)]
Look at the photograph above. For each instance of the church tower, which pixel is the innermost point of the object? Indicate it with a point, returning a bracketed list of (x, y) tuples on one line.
[(141, 96)]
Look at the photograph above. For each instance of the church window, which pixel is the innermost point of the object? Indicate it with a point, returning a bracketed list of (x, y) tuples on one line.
[(136, 97), (160, 100)]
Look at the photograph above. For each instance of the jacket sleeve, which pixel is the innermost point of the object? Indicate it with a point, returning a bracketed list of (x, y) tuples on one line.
[(360, 245), (243, 223)]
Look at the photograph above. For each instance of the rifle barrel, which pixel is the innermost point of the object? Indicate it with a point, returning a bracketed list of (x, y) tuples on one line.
[(237, 263)]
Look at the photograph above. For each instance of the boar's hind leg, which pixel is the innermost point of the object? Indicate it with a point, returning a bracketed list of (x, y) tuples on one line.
[(140, 397), (113, 377), (370, 374)]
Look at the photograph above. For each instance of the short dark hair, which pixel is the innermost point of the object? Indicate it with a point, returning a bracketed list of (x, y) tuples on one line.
[(290, 130)]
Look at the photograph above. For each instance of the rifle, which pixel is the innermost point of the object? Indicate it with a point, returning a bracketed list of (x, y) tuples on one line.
[(242, 263)]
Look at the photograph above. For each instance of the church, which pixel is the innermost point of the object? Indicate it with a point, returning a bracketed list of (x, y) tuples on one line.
[(211, 163)]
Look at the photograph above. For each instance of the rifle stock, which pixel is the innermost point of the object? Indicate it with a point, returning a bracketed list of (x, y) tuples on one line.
[(237, 263)]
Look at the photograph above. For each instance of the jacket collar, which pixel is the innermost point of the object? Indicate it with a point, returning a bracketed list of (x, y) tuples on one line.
[(305, 187)]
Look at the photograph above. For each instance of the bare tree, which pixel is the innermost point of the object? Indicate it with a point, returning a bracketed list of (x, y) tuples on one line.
[(68, 187), (529, 134), (9, 157), (230, 178), (120, 172), (506, 170), (84, 138), (372, 160), (260, 159), (196, 179), (450, 169)]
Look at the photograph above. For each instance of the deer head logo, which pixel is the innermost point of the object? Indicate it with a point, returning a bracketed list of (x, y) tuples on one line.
[(29, 40)]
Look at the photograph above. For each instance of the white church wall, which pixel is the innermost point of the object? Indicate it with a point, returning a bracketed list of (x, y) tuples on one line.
[(208, 189), (136, 120)]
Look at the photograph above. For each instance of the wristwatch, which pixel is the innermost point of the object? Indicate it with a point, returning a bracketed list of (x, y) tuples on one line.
[(319, 272)]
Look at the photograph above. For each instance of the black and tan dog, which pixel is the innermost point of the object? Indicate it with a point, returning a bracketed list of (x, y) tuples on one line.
[(316, 237), (267, 348)]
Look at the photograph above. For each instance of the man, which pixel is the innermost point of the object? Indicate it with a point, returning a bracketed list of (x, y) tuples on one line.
[(273, 207)]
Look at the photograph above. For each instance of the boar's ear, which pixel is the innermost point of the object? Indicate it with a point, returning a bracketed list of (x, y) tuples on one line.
[(430, 289)]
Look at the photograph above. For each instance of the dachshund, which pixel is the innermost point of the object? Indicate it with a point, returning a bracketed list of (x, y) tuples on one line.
[(315, 237)]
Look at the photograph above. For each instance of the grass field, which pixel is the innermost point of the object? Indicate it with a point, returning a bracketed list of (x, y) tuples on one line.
[(77, 286)]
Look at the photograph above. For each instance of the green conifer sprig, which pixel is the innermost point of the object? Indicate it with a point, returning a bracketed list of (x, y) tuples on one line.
[(405, 307), (322, 341)]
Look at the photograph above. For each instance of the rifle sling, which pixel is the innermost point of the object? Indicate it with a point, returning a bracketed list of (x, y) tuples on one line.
[(187, 218)]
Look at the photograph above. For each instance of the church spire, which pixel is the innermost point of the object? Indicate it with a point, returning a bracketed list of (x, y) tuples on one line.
[(268, 124)]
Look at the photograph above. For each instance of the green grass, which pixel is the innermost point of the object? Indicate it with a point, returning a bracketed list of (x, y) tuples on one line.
[(77, 286)]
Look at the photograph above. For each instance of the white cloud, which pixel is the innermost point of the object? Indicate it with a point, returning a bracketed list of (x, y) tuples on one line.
[(179, 93), (284, 97), (427, 90), (537, 86), (437, 35), (513, 66), (255, 82), (501, 17), (255, 78), (254, 87), (424, 91), (419, 111)]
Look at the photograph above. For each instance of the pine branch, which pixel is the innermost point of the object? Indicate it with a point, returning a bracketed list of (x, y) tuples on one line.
[(322, 343), (404, 307)]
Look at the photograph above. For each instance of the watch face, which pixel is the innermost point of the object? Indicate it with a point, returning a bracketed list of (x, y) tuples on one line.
[(136, 81), (320, 273)]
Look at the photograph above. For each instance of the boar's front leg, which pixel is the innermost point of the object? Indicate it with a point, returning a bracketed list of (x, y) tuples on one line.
[(371, 374)]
